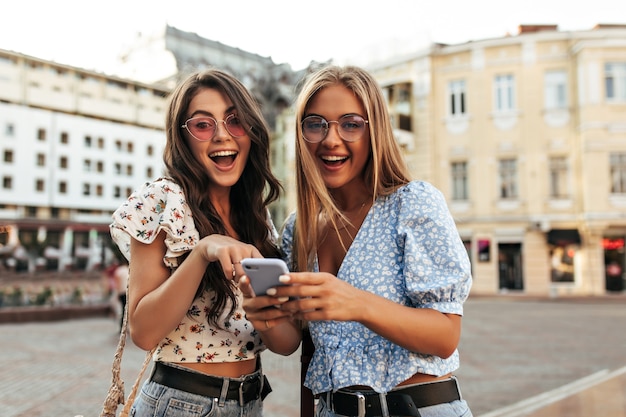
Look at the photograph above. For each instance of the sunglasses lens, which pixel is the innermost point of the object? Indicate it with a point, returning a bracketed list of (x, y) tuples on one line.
[(234, 126), (202, 128)]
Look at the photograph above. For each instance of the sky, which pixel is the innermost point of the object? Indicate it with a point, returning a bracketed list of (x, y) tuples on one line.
[(93, 35)]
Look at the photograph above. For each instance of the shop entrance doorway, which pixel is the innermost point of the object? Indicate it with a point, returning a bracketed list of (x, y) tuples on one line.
[(511, 276), (614, 260)]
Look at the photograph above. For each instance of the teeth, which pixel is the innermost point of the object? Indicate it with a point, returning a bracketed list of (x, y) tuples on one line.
[(333, 158), (222, 153)]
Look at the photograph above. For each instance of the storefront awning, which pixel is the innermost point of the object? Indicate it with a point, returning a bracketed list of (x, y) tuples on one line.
[(563, 237)]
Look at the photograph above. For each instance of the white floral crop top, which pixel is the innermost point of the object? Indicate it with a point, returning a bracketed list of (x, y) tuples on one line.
[(161, 206)]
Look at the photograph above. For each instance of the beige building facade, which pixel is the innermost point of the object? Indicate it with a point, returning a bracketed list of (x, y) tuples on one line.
[(526, 137)]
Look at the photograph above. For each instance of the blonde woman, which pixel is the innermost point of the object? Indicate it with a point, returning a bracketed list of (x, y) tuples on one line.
[(388, 271)]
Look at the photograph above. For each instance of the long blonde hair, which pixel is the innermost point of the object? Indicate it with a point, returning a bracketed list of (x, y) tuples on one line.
[(384, 172)]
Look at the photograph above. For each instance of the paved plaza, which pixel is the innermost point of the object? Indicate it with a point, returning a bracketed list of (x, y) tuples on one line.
[(518, 356)]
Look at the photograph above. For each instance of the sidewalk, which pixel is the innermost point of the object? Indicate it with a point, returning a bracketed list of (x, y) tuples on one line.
[(518, 356), (515, 349), (601, 394)]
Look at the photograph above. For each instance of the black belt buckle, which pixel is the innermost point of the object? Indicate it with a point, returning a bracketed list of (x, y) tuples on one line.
[(266, 388), (402, 405), (358, 404), (248, 389)]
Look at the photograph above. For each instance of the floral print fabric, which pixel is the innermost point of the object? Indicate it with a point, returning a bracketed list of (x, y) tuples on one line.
[(160, 206), (408, 250)]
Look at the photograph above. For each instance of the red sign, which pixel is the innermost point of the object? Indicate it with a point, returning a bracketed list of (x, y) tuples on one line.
[(612, 244)]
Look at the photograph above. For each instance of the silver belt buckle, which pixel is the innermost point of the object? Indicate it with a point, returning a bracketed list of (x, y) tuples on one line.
[(241, 403), (360, 398)]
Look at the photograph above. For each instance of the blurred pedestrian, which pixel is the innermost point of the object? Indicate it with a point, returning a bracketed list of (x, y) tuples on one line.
[(108, 276), (120, 275)]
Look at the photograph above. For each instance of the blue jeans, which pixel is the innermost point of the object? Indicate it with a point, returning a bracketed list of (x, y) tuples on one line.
[(156, 400), (453, 409)]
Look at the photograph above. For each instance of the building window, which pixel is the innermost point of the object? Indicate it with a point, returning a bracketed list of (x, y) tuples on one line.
[(399, 100), (150, 150), (86, 189), (99, 189), (100, 166), (130, 147), (9, 129), (129, 170), (504, 93), (41, 160), (100, 143), (39, 185), (41, 134), (118, 145), (555, 90), (459, 181), (87, 142), (117, 192), (8, 156), (149, 172), (508, 178), (64, 138), (615, 81), (456, 98), (402, 107), (63, 164), (117, 168), (558, 177), (617, 163), (7, 182), (62, 187), (87, 165)]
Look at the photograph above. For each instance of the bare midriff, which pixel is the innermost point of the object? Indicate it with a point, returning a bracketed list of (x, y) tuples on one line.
[(225, 369), (415, 379)]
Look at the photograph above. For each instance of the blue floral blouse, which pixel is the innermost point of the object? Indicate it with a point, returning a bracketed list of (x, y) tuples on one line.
[(407, 250)]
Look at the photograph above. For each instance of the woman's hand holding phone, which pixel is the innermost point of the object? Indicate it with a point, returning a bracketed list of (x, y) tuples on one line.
[(264, 273), (261, 275)]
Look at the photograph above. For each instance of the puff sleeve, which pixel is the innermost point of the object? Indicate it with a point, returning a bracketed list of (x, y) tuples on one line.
[(154, 207), (436, 268)]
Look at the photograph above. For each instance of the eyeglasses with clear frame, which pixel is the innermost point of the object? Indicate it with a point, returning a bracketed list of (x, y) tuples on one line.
[(351, 128), (204, 128)]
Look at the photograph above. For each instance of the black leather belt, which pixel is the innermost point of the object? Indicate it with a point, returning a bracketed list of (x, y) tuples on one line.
[(244, 391), (400, 402)]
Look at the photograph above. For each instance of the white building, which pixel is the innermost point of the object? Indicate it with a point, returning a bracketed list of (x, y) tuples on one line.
[(74, 144)]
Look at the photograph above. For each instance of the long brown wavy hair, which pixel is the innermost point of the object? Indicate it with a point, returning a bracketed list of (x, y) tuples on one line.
[(252, 193)]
